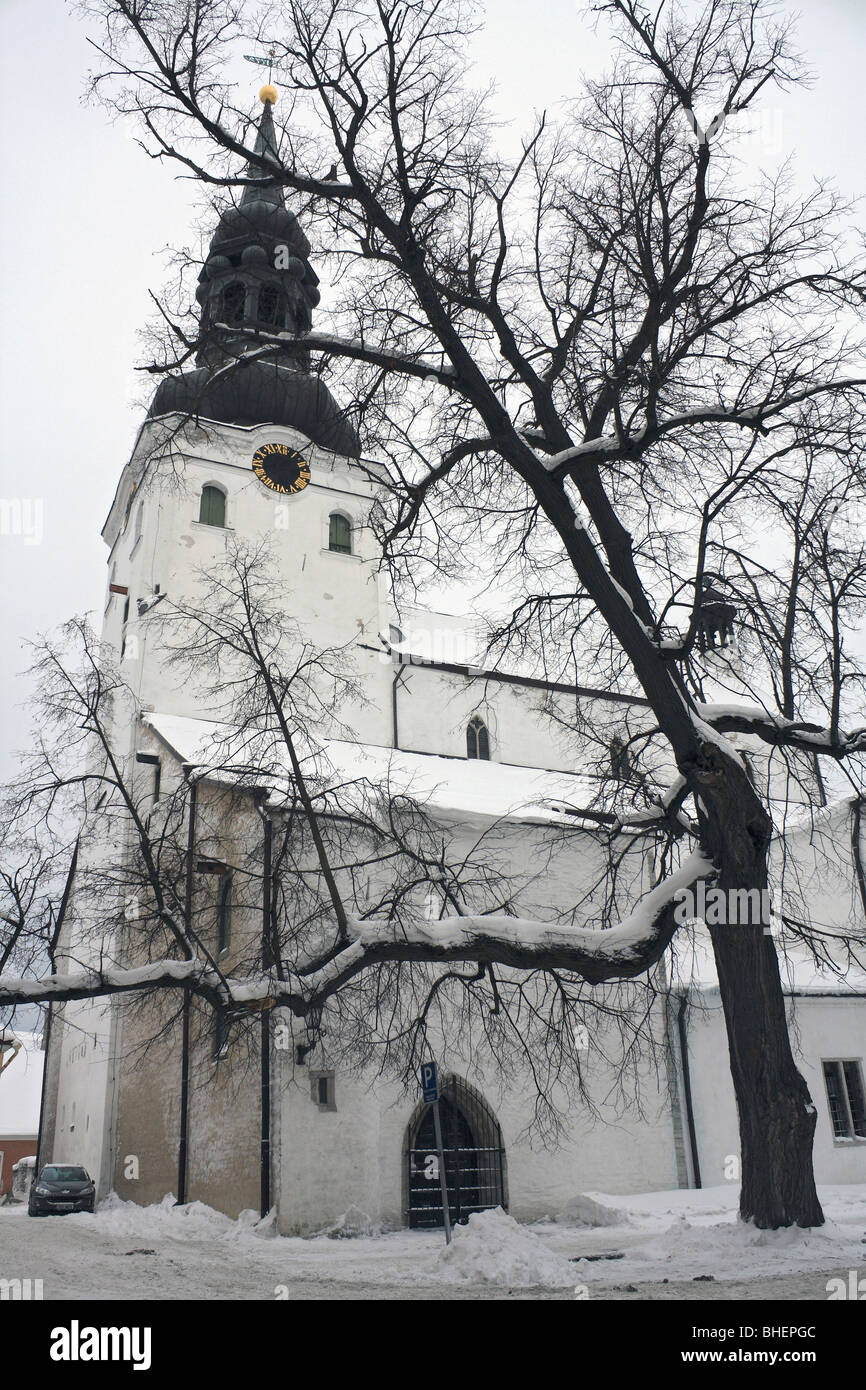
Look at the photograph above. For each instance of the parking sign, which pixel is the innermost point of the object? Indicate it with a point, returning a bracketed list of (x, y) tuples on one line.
[(429, 1082)]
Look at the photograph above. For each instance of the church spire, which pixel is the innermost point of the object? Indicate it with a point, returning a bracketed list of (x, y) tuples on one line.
[(257, 276), (267, 145)]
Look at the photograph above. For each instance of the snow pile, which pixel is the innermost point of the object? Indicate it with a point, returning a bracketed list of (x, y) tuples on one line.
[(193, 1220), (493, 1249), (353, 1223), (585, 1211)]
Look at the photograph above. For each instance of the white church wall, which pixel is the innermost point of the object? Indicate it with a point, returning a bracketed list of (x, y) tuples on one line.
[(354, 1154), (825, 1030), (817, 858), (821, 1028), (713, 1103), (82, 1030), (434, 708), (80, 1130)]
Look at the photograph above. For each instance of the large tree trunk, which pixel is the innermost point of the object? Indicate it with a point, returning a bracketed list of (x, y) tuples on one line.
[(777, 1117)]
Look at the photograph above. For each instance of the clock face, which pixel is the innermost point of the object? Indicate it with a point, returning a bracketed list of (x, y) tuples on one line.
[(281, 468)]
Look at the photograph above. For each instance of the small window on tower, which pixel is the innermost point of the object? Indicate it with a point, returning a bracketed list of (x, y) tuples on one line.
[(322, 1089), (153, 760), (340, 533), (272, 306), (234, 302), (477, 739), (212, 511)]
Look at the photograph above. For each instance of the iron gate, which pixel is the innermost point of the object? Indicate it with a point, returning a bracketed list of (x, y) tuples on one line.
[(474, 1158)]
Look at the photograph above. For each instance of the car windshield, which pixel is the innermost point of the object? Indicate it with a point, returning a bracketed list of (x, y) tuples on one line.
[(53, 1172)]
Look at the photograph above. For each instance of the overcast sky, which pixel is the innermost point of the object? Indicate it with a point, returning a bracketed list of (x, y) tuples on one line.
[(86, 220)]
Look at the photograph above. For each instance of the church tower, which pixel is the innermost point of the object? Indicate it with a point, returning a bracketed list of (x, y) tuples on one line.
[(257, 282), (248, 446)]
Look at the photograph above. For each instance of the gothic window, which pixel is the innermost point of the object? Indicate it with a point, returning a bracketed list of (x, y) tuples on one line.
[(340, 533), (234, 302), (477, 739), (272, 306), (224, 913), (212, 511)]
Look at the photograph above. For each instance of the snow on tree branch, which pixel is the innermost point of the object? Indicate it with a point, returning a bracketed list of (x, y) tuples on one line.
[(622, 951)]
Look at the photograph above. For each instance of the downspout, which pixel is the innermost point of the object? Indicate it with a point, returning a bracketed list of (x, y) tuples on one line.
[(267, 964), (187, 1003), (856, 850), (395, 728), (687, 1086), (46, 1043)]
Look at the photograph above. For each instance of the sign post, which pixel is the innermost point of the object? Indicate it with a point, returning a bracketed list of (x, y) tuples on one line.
[(430, 1093)]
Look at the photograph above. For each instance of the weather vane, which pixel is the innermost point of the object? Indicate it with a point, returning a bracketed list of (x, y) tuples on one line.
[(264, 62)]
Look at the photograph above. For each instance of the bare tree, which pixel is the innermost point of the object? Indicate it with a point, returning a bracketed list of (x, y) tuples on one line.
[(615, 363)]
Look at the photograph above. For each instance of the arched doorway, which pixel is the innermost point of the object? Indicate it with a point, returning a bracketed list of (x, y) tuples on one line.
[(474, 1158)]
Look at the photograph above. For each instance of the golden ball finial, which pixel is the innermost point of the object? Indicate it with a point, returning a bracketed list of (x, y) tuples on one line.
[(269, 93)]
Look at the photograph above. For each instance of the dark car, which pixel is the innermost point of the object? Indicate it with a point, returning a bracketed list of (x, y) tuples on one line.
[(61, 1187)]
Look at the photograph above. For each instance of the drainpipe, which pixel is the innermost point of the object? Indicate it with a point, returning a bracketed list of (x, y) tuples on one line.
[(687, 1086), (395, 729), (183, 1145), (267, 964), (46, 1043), (856, 816)]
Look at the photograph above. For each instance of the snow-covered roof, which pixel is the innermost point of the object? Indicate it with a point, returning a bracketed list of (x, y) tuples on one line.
[(695, 968), (21, 1089), (461, 785)]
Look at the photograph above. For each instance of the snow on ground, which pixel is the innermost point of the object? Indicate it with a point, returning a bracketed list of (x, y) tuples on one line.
[(697, 1235), (660, 1245)]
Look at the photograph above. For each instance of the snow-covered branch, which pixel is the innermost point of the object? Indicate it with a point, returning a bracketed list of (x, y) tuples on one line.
[(609, 446), (787, 733), (618, 952)]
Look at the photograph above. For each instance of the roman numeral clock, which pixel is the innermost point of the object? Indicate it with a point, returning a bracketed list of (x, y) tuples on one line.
[(281, 468)]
